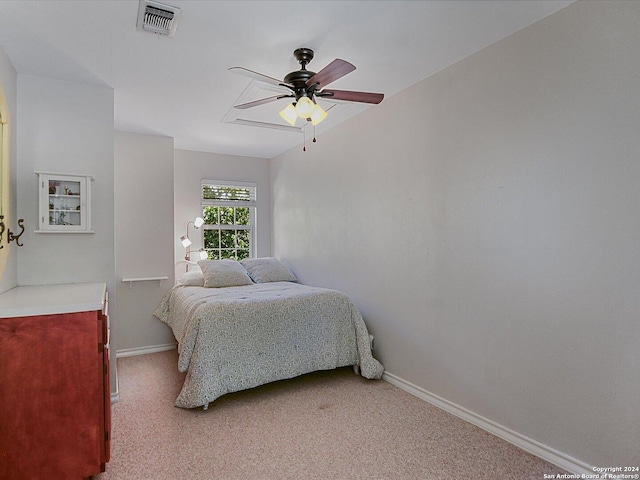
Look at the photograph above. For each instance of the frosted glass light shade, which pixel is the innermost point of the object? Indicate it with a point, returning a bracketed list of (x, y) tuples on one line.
[(202, 254), (289, 114), (185, 241), (304, 107), (198, 222), (318, 115)]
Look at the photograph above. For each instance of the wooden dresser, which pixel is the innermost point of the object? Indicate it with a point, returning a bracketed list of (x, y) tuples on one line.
[(55, 402)]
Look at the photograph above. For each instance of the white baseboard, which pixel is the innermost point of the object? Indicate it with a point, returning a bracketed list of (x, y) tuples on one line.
[(538, 449), (130, 352)]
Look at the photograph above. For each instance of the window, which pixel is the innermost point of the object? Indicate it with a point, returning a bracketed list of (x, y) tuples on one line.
[(229, 212)]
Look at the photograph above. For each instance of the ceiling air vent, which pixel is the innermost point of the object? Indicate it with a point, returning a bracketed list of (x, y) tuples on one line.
[(158, 18)]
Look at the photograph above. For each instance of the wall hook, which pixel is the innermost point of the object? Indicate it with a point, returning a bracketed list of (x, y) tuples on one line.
[(13, 237), (2, 229)]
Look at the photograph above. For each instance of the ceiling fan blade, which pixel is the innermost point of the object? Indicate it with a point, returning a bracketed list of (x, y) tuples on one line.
[(258, 76), (255, 103), (349, 96), (335, 70)]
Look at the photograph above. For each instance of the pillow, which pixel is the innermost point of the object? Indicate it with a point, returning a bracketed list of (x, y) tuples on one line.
[(223, 273), (268, 269), (193, 278)]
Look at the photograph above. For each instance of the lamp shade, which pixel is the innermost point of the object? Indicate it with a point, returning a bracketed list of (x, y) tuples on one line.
[(304, 107), (289, 114), (185, 241), (317, 115), (202, 253), (198, 222)]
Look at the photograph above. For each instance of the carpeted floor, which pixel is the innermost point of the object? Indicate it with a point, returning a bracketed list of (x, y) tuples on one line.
[(325, 425)]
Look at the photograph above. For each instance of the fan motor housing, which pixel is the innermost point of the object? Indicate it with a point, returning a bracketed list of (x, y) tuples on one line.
[(299, 78)]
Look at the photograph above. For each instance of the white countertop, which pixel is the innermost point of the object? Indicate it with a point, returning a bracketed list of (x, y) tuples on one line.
[(52, 299)]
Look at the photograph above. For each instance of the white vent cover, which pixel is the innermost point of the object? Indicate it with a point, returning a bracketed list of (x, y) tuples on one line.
[(158, 18)]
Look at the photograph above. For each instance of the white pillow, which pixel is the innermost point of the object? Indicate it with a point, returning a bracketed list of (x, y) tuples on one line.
[(193, 278), (224, 273), (268, 269)]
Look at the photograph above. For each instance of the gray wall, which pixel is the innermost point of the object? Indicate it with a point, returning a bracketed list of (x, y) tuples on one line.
[(486, 222), (191, 167), (144, 238), (66, 127)]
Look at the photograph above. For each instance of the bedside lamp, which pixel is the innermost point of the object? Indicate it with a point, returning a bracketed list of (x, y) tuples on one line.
[(186, 241)]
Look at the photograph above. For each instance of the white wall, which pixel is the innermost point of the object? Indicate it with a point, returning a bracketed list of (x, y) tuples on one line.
[(191, 167), (9, 81), (66, 127), (486, 222), (144, 237)]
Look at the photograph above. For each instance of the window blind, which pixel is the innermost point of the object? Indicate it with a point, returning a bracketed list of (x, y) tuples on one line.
[(223, 193)]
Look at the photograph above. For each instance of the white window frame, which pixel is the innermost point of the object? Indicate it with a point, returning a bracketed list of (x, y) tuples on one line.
[(252, 204)]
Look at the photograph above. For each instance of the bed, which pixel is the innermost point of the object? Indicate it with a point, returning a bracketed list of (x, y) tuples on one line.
[(232, 338)]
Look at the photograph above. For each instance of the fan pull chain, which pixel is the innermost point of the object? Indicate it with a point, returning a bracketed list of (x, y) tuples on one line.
[(314, 134), (304, 142)]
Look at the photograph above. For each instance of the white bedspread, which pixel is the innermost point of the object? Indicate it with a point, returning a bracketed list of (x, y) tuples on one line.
[(234, 338)]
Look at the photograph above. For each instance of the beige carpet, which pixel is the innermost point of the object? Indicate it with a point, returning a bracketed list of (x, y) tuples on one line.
[(325, 425)]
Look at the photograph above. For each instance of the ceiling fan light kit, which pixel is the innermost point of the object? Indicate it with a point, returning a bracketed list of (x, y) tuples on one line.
[(304, 86)]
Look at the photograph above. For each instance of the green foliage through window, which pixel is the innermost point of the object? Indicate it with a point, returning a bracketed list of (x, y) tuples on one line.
[(227, 232)]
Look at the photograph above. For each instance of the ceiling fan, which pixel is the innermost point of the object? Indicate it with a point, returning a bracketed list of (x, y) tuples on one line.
[(304, 86)]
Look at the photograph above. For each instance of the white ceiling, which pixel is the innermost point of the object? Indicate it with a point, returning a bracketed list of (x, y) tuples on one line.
[(180, 87)]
